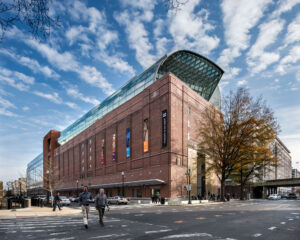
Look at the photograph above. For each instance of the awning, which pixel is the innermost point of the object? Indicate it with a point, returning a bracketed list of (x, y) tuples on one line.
[(120, 184)]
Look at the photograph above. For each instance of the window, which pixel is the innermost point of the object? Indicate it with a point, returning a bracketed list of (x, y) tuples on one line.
[(189, 123), (90, 166), (90, 158), (146, 135), (164, 128), (90, 149), (137, 192), (128, 142), (189, 136), (82, 160), (90, 141), (102, 151), (114, 147), (82, 169), (189, 110), (82, 153), (82, 145)]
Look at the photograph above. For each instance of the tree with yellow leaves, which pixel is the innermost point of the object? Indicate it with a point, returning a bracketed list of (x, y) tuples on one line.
[(237, 138)]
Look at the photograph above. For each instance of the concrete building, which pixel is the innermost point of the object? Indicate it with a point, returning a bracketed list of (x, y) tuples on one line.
[(283, 169), (295, 173), (19, 187), (141, 139)]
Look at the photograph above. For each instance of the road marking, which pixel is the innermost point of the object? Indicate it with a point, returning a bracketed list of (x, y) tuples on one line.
[(123, 225), (139, 215), (282, 223), (178, 221), (230, 213), (158, 231), (257, 235), (200, 218), (272, 228), (30, 231), (109, 236), (188, 235), (218, 215), (290, 219), (57, 233), (295, 213)]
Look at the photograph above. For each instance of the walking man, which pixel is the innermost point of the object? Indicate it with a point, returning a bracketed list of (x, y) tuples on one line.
[(101, 203), (56, 202), (84, 200)]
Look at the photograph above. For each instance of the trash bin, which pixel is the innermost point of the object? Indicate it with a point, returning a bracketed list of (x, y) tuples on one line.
[(162, 200), (27, 202)]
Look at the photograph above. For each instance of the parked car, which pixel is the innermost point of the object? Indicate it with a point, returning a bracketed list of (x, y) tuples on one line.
[(274, 197), (292, 196), (65, 201), (284, 196), (117, 200), (72, 199)]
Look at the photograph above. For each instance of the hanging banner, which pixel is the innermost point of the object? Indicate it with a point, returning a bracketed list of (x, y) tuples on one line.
[(128, 142), (102, 151), (164, 128), (146, 136), (114, 147)]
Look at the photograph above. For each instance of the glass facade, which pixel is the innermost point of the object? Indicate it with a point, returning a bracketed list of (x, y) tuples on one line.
[(196, 71), (128, 142), (35, 173), (146, 135)]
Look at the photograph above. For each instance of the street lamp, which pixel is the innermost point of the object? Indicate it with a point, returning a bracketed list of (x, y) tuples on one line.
[(189, 187), (48, 186), (123, 183), (77, 187)]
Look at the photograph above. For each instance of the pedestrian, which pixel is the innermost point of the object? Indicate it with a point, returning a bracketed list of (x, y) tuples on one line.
[(56, 202), (101, 203), (84, 200)]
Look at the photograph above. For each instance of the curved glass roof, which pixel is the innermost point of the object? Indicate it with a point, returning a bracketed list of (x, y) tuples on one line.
[(199, 73)]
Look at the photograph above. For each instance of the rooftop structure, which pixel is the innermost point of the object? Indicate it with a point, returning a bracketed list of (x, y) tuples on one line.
[(198, 72)]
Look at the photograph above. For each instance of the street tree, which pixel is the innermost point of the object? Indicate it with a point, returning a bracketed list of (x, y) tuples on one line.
[(34, 15), (228, 137)]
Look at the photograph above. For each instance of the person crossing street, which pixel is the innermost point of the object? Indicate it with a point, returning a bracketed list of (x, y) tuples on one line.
[(84, 200), (101, 203)]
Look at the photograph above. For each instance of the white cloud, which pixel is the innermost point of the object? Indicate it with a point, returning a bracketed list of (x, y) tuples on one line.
[(190, 29), (293, 32), (52, 97), (137, 36), (284, 6), (242, 82), (257, 58), (4, 104), (16, 79), (25, 108), (239, 17), (74, 92), (30, 63), (288, 60)]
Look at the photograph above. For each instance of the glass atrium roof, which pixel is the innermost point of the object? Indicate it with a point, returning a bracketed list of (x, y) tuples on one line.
[(198, 72)]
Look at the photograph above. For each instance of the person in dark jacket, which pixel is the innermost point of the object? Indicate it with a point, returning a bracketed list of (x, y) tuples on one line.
[(56, 202), (101, 203), (84, 201)]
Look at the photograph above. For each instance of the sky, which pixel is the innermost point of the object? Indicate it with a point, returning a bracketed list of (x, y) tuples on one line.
[(102, 44)]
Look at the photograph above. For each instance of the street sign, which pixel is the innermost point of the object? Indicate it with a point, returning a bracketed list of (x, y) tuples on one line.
[(189, 187)]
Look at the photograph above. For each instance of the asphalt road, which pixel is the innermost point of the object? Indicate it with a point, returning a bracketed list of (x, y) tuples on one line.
[(257, 219)]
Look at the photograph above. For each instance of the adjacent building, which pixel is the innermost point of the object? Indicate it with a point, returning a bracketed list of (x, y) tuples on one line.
[(35, 176), (19, 187), (295, 173), (142, 139)]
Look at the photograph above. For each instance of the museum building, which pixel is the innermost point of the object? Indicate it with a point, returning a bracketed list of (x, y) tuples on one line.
[(141, 140)]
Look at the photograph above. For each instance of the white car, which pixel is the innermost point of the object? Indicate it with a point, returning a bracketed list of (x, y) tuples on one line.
[(65, 201), (72, 199), (274, 197), (117, 200)]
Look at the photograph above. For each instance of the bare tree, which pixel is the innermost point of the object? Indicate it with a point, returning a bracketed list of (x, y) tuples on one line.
[(32, 14), (175, 4), (237, 136)]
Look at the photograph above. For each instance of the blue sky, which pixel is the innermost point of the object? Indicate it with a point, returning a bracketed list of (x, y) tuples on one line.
[(101, 44)]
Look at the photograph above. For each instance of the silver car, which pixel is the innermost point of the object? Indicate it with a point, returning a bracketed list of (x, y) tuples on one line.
[(65, 201), (117, 200)]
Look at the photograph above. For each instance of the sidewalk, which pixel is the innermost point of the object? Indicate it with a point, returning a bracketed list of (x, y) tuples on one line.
[(36, 212)]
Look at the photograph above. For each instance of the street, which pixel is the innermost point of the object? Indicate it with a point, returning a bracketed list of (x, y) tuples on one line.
[(255, 219)]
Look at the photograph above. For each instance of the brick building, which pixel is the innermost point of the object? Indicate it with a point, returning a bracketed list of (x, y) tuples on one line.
[(141, 138)]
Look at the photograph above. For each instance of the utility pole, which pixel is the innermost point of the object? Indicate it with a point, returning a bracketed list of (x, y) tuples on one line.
[(123, 193), (189, 187)]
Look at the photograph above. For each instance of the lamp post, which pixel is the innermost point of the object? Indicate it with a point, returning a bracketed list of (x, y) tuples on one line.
[(188, 179), (123, 183), (77, 186), (48, 186)]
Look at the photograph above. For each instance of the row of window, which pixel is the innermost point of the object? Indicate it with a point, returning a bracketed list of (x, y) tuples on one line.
[(128, 142)]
